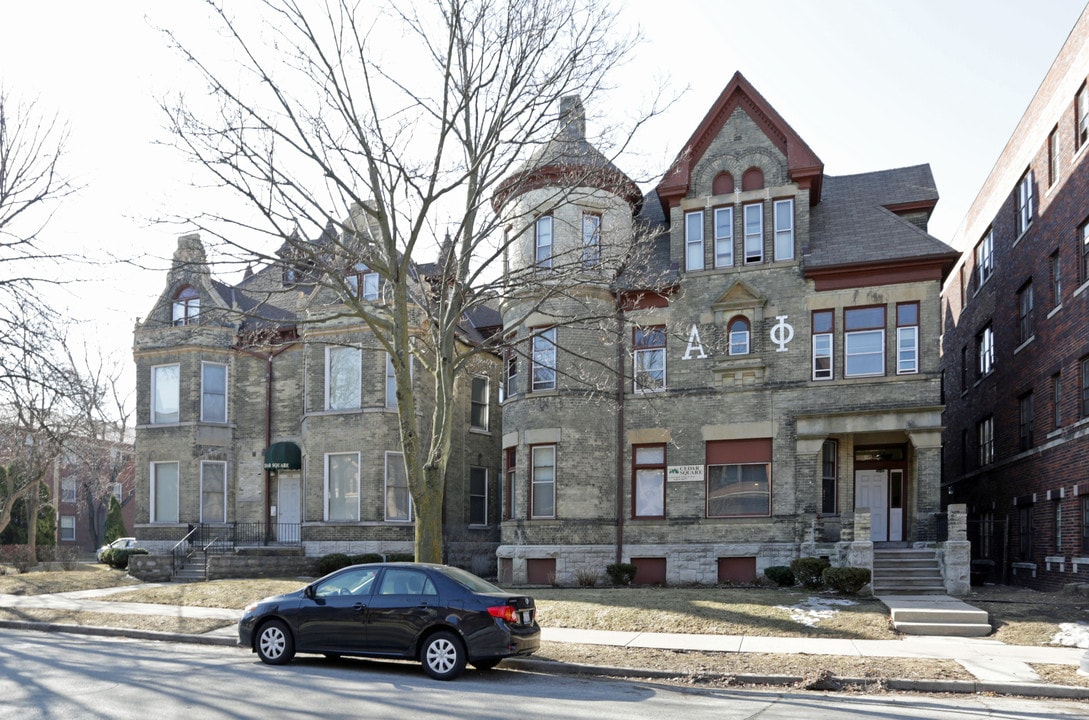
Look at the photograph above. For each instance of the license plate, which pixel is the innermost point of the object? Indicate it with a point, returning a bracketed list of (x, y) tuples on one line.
[(527, 617)]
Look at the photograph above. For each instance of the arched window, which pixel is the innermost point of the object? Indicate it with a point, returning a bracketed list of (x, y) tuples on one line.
[(738, 329), (753, 179), (723, 184), (186, 306)]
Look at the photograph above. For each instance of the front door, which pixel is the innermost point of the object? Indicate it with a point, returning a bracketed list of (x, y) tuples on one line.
[(872, 491), (288, 506)]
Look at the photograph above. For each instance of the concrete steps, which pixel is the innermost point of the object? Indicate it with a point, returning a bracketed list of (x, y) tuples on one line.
[(906, 571), (194, 570), (936, 615)]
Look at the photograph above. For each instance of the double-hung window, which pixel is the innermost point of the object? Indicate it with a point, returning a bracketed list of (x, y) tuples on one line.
[(985, 440), (213, 392), (510, 481), (1024, 311), (693, 241), (342, 487), (68, 490), (1056, 401), (1025, 201), (478, 412), (67, 527), (738, 330), (591, 240), (1083, 251), (1055, 273), (1027, 420), (510, 368), (648, 481), (543, 480), (1081, 117), (1052, 157), (724, 237), (754, 233), (907, 338), (650, 363), (543, 355), (1083, 405), (984, 259), (213, 492), (823, 326), (542, 241), (829, 476), (478, 496), (343, 378), (985, 350), (398, 500), (164, 492), (784, 229), (391, 381), (363, 282), (165, 394), (864, 341)]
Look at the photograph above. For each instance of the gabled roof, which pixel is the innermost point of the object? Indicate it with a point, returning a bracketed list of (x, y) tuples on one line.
[(803, 165)]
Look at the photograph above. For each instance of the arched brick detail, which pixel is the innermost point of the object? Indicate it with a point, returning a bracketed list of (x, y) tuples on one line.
[(753, 179), (723, 184)]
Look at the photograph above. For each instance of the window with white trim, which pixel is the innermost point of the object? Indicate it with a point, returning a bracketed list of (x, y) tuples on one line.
[(738, 330), (784, 229), (363, 282), (68, 527), (342, 487), (648, 481), (907, 338), (213, 392), (165, 393), (984, 259), (164, 492), (1081, 117), (213, 492), (343, 377), (985, 350), (543, 356), (591, 239), (864, 341), (398, 499), (754, 233), (823, 344), (542, 242), (543, 482), (724, 237), (650, 358), (478, 412), (478, 496), (391, 380), (186, 309), (68, 490), (1025, 200), (1056, 277), (693, 240), (510, 369)]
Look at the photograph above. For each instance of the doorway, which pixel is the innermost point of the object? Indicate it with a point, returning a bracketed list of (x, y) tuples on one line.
[(882, 491), (288, 506)]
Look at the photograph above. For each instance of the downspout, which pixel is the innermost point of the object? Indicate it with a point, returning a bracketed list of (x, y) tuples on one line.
[(619, 432)]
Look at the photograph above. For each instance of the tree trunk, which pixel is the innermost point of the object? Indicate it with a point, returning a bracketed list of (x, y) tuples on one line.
[(429, 540)]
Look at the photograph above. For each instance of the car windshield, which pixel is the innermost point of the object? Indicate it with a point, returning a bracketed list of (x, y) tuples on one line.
[(470, 581)]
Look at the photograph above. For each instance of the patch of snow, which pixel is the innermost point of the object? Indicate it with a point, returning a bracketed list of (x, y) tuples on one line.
[(813, 609), (1072, 635)]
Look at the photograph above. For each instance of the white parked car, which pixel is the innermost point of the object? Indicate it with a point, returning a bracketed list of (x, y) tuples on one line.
[(125, 543)]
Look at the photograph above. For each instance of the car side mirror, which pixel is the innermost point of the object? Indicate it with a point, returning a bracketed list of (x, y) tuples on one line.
[(309, 592)]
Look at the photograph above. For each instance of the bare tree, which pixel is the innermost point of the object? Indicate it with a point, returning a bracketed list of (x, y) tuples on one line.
[(391, 152)]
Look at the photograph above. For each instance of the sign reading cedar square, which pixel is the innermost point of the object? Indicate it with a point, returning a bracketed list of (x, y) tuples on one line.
[(685, 473)]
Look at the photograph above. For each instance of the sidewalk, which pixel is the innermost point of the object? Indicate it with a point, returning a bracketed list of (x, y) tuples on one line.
[(998, 667)]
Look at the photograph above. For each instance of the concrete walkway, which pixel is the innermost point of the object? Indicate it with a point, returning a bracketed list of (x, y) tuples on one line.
[(988, 660)]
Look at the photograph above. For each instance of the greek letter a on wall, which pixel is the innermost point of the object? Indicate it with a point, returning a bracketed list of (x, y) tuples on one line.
[(695, 345)]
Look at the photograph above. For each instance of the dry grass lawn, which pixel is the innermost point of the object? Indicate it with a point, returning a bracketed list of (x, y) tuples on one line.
[(84, 577)]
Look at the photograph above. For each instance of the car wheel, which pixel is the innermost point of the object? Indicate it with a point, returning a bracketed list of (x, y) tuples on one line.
[(486, 663), (442, 656), (275, 645)]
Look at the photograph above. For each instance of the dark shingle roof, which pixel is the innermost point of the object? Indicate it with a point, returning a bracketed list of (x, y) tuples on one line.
[(854, 225)]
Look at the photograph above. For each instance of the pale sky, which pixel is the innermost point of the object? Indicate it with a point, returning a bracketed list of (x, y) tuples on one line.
[(868, 84)]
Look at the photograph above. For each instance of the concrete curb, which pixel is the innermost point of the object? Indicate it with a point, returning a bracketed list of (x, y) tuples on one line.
[(551, 667)]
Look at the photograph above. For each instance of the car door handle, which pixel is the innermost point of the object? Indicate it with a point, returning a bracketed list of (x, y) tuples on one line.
[(359, 606)]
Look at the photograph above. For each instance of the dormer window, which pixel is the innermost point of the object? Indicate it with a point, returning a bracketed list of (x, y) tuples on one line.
[(186, 306), (363, 282)]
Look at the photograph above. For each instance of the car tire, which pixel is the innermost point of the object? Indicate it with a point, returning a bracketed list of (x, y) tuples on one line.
[(443, 656), (275, 646), (486, 663)]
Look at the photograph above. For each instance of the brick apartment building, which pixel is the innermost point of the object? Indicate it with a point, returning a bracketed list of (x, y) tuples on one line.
[(1016, 343), (779, 372)]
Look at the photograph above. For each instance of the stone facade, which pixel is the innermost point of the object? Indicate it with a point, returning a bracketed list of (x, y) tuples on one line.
[(675, 417), (217, 407), (1016, 344)]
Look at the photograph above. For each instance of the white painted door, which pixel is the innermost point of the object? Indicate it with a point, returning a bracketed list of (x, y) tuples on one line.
[(288, 506), (872, 491)]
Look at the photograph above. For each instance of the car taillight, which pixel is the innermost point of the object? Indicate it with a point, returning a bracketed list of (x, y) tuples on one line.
[(504, 612)]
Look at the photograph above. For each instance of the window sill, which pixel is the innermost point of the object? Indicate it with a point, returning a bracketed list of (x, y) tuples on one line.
[(1021, 235), (1025, 344), (1029, 566), (479, 431), (1054, 310), (1081, 288)]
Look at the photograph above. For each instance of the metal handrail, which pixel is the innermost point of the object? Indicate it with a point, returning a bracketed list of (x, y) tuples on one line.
[(175, 563)]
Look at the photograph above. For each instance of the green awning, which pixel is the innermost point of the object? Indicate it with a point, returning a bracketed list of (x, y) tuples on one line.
[(283, 456)]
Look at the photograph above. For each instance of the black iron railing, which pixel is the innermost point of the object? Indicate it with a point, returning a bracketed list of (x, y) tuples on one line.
[(224, 538)]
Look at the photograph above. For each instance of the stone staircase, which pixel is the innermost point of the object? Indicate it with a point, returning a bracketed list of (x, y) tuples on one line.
[(906, 571), (195, 568)]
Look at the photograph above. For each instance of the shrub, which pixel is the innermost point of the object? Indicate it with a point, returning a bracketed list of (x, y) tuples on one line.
[(18, 556), (621, 573), (333, 562), (366, 558), (68, 557), (808, 571), (781, 575), (586, 577), (847, 580), (400, 557), (46, 553), (119, 557)]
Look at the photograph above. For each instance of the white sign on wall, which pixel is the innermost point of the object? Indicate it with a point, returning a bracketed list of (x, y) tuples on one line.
[(685, 473)]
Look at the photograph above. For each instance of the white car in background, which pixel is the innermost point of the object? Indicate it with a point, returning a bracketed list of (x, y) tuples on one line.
[(125, 543)]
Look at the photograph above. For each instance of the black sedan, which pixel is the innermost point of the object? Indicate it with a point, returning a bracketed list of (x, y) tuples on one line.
[(440, 615)]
